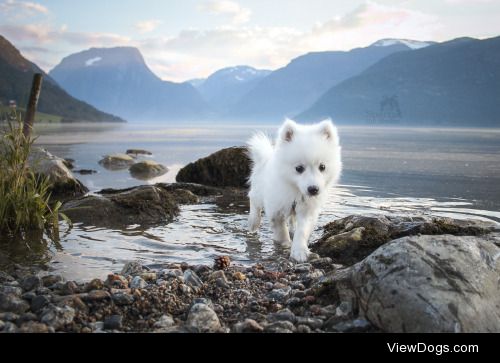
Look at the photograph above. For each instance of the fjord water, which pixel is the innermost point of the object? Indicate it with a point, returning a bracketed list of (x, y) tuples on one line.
[(389, 170)]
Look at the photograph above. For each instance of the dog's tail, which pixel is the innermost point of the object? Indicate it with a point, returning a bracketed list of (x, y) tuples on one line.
[(260, 148)]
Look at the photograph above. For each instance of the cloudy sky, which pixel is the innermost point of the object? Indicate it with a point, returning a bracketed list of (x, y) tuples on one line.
[(185, 39)]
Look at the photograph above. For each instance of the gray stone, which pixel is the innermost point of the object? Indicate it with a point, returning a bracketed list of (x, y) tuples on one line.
[(279, 294), (192, 279), (138, 283), (344, 310), (201, 318), (313, 323), (113, 322), (116, 161), (247, 326), (132, 268), (302, 267), (280, 327), (427, 284), (12, 290), (30, 295), (122, 298), (282, 315), (50, 280), (12, 303), (352, 326), (8, 316), (165, 321), (57, 317), (39, 302), (31, 283), (147, 169)]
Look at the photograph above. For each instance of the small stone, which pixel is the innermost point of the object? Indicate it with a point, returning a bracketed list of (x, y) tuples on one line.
[(344, 310), (303, 329), (201, 318), (323, 262), (33, 327), (302, 267), (39, 302), (95, 284), (122, 298), (58, 317), (116, 281), (69, 288), (26, 317), (9, 327), (247, 326), (279, 285), (279, 294), (294, 301), (220, 282), (192, 279), (50, 280), (239, 276), (132, 268), (8, 316), (313, 323), (113, 322), (148, 276), (31, 283), (165, 321), (96, 295), (44, 290), (12, 303), (282, 315), (138, 283), (217, 275), (11, 290), (172, 272), (30, 295), (280, 327)]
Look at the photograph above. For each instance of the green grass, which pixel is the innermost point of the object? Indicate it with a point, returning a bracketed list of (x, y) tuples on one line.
[(39, 116), (24, 196)]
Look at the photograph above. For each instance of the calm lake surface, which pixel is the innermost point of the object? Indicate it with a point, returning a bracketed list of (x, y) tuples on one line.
[(449, 172)]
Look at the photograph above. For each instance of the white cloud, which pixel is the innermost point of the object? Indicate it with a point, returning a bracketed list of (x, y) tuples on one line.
[(238, 14), (22, 8), (147, 26)]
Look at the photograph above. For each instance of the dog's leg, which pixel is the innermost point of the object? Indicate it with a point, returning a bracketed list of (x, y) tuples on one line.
[(306, 220), (280, 230), (292, 223), (254, 217)]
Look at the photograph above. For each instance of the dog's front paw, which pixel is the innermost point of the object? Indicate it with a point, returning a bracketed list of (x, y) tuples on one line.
[(300, 254)]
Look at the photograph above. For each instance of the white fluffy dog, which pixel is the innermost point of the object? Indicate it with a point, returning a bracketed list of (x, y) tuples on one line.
[(290, 180)]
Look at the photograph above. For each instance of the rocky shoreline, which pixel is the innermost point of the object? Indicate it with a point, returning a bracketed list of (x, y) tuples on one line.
[(367, 273)]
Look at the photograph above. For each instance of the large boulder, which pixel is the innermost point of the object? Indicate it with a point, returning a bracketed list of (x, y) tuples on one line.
[(225, 168), (63, 184), (425, 284), (140, 205), (350, 239), (117, 161)]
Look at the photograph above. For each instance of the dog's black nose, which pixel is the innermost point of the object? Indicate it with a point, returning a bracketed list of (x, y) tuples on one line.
[(313, 190)]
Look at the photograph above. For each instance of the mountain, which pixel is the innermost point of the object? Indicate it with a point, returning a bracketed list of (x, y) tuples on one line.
[(413, 44), (451, 83), (118, 80), (225, 87), (295, 87), (16, 75)]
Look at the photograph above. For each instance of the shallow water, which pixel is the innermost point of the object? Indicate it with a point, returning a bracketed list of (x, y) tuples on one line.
[(448, 172)]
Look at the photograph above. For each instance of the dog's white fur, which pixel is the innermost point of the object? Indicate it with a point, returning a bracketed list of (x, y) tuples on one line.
[(278, 189)]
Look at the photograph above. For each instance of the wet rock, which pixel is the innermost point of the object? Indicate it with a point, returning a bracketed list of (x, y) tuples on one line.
[(225, 168), (203, 319), (113, 322), (323, 262), (145, 204), (165, 321), (138, 283), (247, 326), (31, 283), (427, 284), (303, 267), (192, 279), (50, 280), (85, 171), (349, 240), (282, 315), (280, 327), (11, 290), (39, 302), (136, 152), (352, 326), (122, 298), (95, 284), (69, 288), (62, 182), (147, 169), (116, 161), (12, 303), (196, 189), (132, 268), (33, 327), (57, 317)]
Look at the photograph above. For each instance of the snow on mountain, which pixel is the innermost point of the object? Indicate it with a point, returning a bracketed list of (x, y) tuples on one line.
[(413, 44)]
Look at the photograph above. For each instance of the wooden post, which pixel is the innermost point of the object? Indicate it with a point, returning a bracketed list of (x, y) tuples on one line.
[(32, 103)]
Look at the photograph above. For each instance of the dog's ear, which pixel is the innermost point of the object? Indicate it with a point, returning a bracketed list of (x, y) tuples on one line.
[(329, 131), (287, 130)]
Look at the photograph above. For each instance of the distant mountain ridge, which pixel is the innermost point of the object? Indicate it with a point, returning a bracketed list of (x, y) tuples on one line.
[(293, 88), (118, 80), (225, 87), (16, 74), (453, 83)]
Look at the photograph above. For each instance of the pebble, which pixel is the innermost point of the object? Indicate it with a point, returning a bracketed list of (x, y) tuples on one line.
[(13, 290), (31, 283), (122, 298), (50, 280), (165, 321), (282, 315), (33, 327), (201, 318), (344, 310), (96, 295), (138, 283), (57, 317), (303, 329), (132, 268), (30, 295), (113, 322), (313, 323), (303, 267), (8, 316), (280, 327), (279, 294), (10, 302), (192, 279), (247, 326), (172, 272), (39, 302), (95, 284)]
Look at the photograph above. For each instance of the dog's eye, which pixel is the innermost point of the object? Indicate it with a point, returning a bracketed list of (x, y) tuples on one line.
[(322, 167), (300, 169)]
